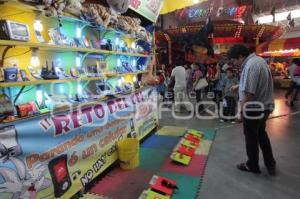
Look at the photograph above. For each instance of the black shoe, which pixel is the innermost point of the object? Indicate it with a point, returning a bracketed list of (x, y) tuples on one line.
[(244, 167), (272, 171)]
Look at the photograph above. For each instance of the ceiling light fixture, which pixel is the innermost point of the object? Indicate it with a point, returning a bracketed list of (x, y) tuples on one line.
[(282, 16)]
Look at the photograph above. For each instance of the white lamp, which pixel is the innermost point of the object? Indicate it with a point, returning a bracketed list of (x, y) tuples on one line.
[(134, 79), (38, 26), (120, 82), (39, 96), (134, 62), (78, 31), (79, 90), (35, 60), (78, 61), (118, 62), (133, 45), (117, 41)]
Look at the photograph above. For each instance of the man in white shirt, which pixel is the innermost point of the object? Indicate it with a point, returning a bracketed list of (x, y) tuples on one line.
[(180, 88)]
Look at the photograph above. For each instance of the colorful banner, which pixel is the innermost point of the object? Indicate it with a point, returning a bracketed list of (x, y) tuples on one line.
[(147, 8), (56, 156), (195, 12)]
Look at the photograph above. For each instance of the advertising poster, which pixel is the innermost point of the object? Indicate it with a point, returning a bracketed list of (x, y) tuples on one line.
[(55, 156), (147, 8)]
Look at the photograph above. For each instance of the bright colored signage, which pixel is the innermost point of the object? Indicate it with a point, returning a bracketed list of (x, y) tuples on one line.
[(172, 5), (147, 8), (235, 12), (57, 155)]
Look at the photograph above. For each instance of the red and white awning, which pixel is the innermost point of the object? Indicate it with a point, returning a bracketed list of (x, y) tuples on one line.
[(280, 48)]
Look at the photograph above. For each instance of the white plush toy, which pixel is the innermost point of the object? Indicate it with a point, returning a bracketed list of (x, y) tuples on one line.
[(74, 7), (118, 6)]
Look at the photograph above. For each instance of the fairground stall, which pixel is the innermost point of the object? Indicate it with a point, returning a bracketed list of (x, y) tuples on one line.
[(196, 33), (71, 83), (280, 53)]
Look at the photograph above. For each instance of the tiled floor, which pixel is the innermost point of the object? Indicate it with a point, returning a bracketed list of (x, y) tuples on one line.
[(222, 180)]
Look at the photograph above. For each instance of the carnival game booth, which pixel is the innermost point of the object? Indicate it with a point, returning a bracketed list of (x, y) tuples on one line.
[(280, 52), (224, 36), (70, 89)]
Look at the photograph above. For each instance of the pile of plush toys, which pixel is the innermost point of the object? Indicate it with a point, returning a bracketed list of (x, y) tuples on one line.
[(58, 7), (99, 15), (111, 18)]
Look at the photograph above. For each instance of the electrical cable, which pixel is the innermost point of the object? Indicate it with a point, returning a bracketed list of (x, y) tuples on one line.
[(25, 91), (17, 55)]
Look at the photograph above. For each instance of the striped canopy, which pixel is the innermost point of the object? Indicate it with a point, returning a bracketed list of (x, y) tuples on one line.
[(280, 48)]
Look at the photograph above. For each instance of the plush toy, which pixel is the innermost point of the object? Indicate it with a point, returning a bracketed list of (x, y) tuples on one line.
[(74, 7), (129, 24), (54, 7), (125, 24), (99, 14), (118, 6)]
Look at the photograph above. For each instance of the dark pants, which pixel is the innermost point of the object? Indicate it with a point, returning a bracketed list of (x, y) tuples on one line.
[(290, 91), (218, 97), (230, 109), (199, 99), (256, 135)]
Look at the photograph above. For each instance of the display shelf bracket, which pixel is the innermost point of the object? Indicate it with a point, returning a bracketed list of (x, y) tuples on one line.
[(19, 94), (6, 49)]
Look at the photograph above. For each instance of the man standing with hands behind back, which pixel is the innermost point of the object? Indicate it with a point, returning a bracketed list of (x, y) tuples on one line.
[(178, 76), (257, 102)]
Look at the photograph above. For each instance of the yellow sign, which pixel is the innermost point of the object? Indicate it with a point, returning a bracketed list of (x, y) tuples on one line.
[(172, 5)]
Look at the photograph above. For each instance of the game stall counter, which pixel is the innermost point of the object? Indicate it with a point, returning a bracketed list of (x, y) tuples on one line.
[(71, 86), (285, 48)]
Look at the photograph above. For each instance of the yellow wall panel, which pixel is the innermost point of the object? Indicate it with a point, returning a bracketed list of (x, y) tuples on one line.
[(172, 5)]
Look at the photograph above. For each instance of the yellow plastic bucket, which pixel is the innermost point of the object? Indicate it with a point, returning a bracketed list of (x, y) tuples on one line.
[(128, 152)]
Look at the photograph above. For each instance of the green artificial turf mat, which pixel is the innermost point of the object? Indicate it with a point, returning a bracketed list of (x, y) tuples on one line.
[(172, 131), (152, 159)]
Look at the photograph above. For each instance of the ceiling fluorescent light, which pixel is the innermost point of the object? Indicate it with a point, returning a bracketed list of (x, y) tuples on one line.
[(279, 16)]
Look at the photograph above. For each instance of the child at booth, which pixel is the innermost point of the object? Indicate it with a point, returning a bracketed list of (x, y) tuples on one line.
[(229, 101)]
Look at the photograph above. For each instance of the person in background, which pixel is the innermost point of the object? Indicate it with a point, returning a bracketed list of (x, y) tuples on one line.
[(189, 77), (197, 75), (293, 85), (229, 101), (225, 65), (163, 68), (219, 78), (211, 73), (203, 68), (160, 88), (167, 79), (256, 88), (169, 97), (296, 82), (178, 76), (169, 69)]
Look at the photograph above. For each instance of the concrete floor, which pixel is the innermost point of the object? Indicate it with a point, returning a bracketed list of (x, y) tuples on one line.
[(222, 180)]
